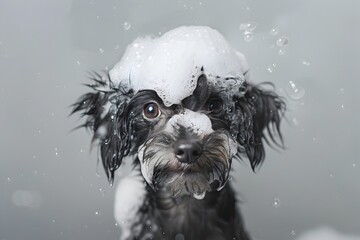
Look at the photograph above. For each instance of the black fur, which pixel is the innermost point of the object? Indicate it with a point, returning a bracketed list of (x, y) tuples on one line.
[(249, 115)]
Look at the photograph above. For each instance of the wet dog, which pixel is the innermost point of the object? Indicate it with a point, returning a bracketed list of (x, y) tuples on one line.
[(182, 128)]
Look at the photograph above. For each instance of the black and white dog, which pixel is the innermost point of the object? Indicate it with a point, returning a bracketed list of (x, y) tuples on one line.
[(182, 108)]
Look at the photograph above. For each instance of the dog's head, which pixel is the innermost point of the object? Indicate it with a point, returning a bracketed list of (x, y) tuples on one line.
[(184, 136)]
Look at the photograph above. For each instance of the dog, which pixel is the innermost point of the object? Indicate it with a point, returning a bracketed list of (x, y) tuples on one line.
[(182, 107)]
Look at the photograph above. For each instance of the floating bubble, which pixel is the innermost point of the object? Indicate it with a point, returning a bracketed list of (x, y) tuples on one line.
[(274, 31), (101, 50), (276, 202), (282, 41), (248, 27), (97, 213), (9, 179), (342, 107), (248, 36), (306, 63), (78, 62), (126, 25), (354, 164), (26, 198), (57, 152), (281, 52), (342, 91), (271, 68), (294, 90), (293, 233)]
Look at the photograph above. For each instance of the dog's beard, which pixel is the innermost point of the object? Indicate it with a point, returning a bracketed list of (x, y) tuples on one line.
[(162, 170)]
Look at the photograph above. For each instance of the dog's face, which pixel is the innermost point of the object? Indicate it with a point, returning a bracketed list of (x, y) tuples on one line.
[(186, 148)]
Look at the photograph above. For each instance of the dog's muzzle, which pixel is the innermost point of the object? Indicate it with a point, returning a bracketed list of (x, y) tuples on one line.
[(187, 157)]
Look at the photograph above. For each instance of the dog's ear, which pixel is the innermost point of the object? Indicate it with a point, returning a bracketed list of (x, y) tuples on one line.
[(261, 113), (104, 110)]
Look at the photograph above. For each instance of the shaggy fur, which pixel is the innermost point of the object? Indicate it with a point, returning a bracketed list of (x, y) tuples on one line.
[(243, 117)]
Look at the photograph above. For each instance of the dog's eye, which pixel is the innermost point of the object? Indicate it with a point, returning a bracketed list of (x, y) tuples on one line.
[(215, 106), (151, 111)]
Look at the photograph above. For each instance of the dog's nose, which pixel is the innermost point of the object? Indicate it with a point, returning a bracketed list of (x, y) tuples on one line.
[(187, 151)]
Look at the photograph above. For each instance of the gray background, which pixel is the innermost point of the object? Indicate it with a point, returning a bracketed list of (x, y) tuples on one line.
[(49, 188)]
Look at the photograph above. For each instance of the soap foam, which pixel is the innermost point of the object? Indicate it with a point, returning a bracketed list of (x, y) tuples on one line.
[(171, 64)]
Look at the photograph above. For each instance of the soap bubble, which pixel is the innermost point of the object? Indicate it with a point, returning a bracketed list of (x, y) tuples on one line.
[(126, 25), (274, 31), (26, 198), (271, 68), (248, 36), (282, 41), (294, 90), (306, 63), (276, 202), (281, 52), (249, 26)]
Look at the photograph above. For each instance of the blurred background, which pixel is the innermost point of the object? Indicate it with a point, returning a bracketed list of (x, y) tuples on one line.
[(51, 186)]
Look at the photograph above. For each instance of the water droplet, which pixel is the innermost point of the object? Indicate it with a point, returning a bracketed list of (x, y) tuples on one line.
[(57, 152), (274, 31), (342, 107), (101, 50), (9, 179), (179, 236), (342, 91), (276, 202), (78, 62), (282, 41), (117, 47), (331, 175), (200, 3), (271, 68), (97, 213), (53, 220), (292, 233), (306, 63), (126, 25), (281, 52), (294, 90), (354, 164), (248, 36)]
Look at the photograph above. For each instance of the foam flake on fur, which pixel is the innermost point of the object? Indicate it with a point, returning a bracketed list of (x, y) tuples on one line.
[(129, 197), (171, 64)]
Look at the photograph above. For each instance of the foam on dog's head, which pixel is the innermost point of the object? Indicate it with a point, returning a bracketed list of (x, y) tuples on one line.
[(171, 64)]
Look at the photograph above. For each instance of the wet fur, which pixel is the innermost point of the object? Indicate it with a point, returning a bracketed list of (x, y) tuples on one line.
[(251, 116)]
